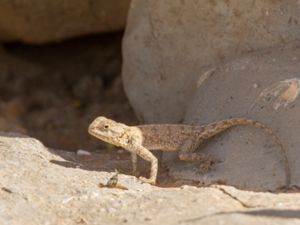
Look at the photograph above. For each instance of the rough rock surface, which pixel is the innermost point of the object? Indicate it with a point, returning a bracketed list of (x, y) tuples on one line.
[(169, 45), (37, 186), (45, 21)]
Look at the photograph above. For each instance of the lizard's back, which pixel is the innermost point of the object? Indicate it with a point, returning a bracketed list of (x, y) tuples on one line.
[(169, 137)]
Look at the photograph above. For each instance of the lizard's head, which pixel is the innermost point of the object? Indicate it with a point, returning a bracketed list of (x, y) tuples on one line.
[(108, 130)]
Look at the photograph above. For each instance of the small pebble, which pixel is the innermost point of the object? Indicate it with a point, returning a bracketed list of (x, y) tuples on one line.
[(82, 152)]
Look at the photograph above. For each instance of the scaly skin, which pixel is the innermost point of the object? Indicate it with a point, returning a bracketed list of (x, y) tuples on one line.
[(185, 139)]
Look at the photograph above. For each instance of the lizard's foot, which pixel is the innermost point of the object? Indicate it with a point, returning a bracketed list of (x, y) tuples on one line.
[(206, 161), (206, 166), (147, 180)]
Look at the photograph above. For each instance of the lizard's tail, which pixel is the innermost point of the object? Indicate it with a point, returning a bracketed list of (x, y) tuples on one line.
[(226, 124)]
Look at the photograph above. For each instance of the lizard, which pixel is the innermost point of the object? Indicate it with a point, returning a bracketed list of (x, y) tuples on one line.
[(185, 139)]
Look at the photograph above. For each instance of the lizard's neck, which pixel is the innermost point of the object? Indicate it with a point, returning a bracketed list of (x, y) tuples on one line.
[(168, 137)]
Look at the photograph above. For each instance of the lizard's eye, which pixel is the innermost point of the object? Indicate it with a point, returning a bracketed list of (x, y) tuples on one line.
[(105, 126)]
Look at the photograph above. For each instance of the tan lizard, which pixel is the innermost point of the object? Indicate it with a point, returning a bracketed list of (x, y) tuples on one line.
[(185, 139)]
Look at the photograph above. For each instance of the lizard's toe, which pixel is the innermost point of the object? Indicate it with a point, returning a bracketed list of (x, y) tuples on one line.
[(206, 167)]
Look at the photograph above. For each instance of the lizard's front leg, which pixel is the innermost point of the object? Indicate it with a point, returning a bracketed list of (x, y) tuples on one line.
[(148, 156)]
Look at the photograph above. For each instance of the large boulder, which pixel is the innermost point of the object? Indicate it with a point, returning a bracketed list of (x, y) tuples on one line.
[(169, 46)]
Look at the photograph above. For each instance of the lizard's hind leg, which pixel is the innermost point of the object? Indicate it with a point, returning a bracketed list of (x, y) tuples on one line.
[(187, 153), (205, 160)]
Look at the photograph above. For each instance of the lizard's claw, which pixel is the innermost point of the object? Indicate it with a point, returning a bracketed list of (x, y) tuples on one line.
[(146, 180)]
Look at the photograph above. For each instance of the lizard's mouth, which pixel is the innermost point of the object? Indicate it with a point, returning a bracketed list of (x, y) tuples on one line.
[(106, 136), (95, 131)]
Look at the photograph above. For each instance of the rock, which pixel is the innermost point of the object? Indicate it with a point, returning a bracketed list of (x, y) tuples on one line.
[(201, 62), (170, 45), (37, 186), (51, 21)]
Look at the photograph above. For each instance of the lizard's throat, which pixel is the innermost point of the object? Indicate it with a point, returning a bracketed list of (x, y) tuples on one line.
[(108, 138)]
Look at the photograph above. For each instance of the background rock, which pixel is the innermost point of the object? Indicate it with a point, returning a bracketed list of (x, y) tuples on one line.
[(37, 21), (169, 45)]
